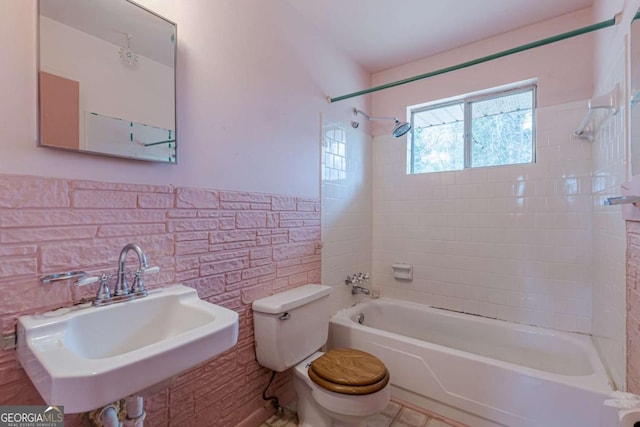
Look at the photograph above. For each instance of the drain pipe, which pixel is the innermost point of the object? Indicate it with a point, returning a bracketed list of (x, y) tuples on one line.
[(135, 411), (109, 416)]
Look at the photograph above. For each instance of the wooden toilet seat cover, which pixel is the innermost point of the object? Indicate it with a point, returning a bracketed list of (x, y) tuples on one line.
[(349, 371)]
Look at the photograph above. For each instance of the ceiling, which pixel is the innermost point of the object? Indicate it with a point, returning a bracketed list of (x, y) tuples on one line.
[(151, 35), (381, 34)]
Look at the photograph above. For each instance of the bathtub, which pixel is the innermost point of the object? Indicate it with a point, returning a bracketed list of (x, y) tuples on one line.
[(478, 371)]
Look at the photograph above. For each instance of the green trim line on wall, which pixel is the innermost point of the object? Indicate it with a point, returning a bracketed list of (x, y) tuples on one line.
[(168, 141), (542, 42)]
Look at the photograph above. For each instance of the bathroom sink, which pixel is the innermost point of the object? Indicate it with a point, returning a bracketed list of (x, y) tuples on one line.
[(84, 357)]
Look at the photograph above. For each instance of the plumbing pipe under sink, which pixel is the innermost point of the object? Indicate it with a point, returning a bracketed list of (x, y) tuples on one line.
[(133, 408), (109, 416), (135, 411)]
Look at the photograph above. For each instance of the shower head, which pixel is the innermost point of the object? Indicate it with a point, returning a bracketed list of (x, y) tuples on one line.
[(400, 129)]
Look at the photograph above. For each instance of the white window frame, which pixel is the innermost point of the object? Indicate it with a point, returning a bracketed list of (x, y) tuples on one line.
[(467, 100)]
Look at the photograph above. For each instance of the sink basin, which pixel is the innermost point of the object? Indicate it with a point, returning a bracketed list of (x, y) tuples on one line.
[(86, 357)]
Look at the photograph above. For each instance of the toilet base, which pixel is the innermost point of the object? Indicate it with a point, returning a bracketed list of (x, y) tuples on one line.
[(313, 402), (311, 414)]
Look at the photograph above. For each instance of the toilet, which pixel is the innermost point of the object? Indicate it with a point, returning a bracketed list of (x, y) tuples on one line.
[(337, 388)]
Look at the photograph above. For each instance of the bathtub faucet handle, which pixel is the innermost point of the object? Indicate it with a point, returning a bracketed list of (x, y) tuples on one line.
[(353, 279), (357, 279), (362, 277)]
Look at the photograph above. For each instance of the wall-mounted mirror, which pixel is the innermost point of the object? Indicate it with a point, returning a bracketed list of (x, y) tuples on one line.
[(106, 80), (634, 42)]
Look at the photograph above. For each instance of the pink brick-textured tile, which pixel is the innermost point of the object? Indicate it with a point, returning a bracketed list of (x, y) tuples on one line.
[(232, 247), (633, 307)]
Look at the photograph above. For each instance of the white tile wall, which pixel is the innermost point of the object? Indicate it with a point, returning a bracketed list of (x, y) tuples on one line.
[(346, 206), (609, 236), (528, 243), (510, 242)]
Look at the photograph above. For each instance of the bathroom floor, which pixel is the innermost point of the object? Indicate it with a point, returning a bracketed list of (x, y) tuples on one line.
[(394, 415)]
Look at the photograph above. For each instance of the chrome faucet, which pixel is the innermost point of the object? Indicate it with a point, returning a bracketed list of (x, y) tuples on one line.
[(356, 289), (121, 291), (122, 287)]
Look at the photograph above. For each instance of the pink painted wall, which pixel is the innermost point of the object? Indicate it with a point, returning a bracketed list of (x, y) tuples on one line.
[(253, 77), (633, 306), (610, 44), (252, 80), (564, 70), (233, 247)]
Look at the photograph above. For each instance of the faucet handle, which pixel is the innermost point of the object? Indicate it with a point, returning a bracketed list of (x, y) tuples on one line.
[(86, 280), (149, 270), (104, 293), (138, 284)]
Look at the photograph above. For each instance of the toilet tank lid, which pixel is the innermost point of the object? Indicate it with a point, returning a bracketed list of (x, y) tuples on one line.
[(288, 300)]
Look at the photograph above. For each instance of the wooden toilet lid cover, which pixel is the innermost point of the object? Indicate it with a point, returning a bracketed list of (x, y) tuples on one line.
[(349, 371)]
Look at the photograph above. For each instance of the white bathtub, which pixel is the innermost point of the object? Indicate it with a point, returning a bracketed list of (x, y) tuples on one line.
[(481, 372)]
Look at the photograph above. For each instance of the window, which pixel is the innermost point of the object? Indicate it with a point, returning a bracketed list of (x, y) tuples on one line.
[(334, 152), (492, 129)]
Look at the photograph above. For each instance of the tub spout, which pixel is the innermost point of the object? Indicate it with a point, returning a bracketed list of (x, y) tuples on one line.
[(355, 290)]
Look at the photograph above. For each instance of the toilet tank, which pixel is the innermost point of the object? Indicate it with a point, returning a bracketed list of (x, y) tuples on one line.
[(291, 325)]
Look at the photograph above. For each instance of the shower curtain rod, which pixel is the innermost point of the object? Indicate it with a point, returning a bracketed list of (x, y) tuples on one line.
[(542, 42)]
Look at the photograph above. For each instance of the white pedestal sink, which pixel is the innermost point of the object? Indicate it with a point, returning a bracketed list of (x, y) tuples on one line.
[(86, 357)]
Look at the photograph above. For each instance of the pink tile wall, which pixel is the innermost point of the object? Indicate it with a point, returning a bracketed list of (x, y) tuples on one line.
[(633, 306), (232, 247)]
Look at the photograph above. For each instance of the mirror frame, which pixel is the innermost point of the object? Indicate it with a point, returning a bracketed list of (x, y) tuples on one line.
[(98, 153)]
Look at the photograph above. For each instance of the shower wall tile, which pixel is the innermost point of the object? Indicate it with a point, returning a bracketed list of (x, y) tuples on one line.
[(609, 240), (509, 242), (231, 247), (346, 207)]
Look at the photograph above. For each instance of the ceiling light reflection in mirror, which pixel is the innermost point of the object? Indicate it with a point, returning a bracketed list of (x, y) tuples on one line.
[(107, 79)]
